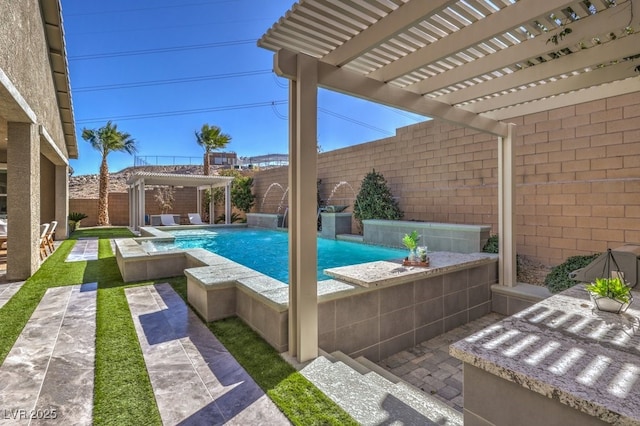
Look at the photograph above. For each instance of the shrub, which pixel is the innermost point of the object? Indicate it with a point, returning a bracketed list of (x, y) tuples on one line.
[(374, 200), (491, 246), (74, 220), (558, 279)]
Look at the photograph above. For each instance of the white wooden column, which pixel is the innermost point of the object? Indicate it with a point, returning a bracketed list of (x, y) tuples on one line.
[(132, 223), (506, 209), (212, 207), (227, 203), (302, 184), (141, 203)]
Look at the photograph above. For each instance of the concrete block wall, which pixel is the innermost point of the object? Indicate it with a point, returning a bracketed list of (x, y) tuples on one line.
[(185, 201), (577, 176)]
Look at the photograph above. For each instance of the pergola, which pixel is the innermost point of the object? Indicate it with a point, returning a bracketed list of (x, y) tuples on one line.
[(138, 181), (475, 63)]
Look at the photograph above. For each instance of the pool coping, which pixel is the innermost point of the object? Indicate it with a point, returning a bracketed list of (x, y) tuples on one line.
[(218, 288)]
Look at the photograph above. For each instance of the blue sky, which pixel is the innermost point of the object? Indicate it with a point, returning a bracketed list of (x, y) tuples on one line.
[(160, 69)]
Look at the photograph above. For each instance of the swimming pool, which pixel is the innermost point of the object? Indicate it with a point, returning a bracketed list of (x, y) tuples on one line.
[(266, 251)]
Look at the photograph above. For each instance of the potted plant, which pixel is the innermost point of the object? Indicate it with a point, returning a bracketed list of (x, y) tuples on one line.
[(410, 241), (610, 294)]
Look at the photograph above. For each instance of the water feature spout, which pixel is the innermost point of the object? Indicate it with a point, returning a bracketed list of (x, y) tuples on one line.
[(284, 196), (264, 197)]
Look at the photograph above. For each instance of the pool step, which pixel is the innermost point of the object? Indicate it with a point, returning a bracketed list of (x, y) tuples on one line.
[(372, 396)]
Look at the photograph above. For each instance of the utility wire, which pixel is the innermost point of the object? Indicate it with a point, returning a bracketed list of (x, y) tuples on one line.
[(272, 104), (182, 112), (169, 81), (160, 50), (354, 121)]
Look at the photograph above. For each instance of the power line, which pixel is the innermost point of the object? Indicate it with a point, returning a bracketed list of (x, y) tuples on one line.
[(161, 50), (354, 121), (272, 104), (169, 81), (181, 112)]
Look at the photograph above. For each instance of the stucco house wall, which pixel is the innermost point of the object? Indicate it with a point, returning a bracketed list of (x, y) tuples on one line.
[(37, 134)]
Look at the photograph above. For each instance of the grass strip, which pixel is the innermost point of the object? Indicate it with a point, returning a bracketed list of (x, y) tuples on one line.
[(54, 272), (122, 392), (101, 233), (297, 398)]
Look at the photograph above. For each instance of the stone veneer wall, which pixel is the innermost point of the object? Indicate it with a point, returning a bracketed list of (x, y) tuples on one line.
[(577, 176), (383, 322)]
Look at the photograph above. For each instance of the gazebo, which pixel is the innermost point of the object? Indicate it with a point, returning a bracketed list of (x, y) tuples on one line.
[(475, 63), (138, 181)]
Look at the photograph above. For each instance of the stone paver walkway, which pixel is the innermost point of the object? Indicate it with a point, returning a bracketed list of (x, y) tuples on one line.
[(429, 366), (194, 378), (47, 377), (84, 249), (8, 290)]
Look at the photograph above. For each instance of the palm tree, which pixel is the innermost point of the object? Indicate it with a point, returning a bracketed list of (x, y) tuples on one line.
[(211, 138), (105, 140)]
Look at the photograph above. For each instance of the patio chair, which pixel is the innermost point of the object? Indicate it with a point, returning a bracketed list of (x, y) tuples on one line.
[(167, 220), (49, 236), (3, 232), (195, 219), (43, 240)]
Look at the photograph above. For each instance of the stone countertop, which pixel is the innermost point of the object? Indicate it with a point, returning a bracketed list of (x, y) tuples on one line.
[(564, 349), (382, 273)]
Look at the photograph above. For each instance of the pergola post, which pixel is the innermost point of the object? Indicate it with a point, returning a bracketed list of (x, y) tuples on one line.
[(303, 229), (227, 203), (506, 209), (132, 222), (212, 205), (141, 203)]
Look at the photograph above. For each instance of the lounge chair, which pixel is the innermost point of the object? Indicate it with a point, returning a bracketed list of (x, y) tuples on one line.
[(49, 236), (43, 240), (167, 220), (195, 219)]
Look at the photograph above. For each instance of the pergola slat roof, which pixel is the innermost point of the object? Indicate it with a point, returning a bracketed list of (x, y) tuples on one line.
[(174, 179), (495, 58)]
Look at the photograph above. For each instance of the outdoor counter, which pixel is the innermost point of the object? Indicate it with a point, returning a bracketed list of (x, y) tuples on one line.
[(557, 362)]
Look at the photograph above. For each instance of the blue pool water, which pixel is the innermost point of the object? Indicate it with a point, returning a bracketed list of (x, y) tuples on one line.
[(267, 251)]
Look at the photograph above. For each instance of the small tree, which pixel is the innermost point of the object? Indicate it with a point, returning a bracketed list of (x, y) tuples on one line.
[(374, 200), (241, 195), (164, 198)]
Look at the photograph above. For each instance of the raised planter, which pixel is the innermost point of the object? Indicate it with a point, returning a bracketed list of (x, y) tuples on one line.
[(452, 237)]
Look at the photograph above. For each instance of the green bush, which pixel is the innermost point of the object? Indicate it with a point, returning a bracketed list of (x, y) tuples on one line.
[(558, 279), (491, 246), (375, 201)]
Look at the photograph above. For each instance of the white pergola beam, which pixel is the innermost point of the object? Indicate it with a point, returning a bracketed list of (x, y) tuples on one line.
[(538, 46), (611, 89), (482, 30), (397, 21), (344, 81), (584, 80), (602, 54)]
